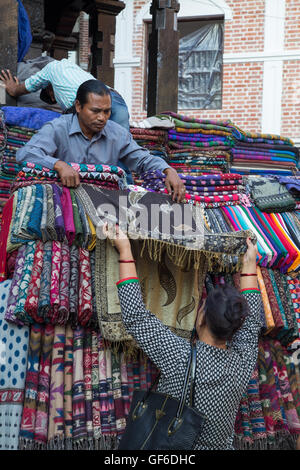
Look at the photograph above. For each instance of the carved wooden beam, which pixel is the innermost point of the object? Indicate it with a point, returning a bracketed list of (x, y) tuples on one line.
[(103, 27)]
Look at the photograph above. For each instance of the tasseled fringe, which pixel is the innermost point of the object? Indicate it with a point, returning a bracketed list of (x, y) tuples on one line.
[(68, 443), (128, 347), (56, 443), (282, 441), (86, 443), (26, 444), (187, 258)]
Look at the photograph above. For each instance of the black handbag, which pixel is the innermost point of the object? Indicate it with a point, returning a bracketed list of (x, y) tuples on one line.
[(157, 421)]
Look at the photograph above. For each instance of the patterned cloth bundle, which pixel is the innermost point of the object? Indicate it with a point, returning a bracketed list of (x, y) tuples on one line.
[(263, 154), (53, 284), (64, 388), (199, 145), (212, 190), (277, 233), (269, 413), (154, 140), (17, 126)]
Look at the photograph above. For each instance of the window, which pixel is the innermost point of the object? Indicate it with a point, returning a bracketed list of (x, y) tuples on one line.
[(200, 63)]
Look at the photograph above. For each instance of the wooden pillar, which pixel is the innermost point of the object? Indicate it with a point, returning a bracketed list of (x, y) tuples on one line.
[(163, 58), (61, 46), (103, 29), (9, 43)]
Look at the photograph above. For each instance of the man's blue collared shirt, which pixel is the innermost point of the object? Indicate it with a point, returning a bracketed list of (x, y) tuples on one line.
[(63, 139)]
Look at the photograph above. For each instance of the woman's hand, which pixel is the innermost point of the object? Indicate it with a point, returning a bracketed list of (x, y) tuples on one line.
[(249, 259), (120, 240)]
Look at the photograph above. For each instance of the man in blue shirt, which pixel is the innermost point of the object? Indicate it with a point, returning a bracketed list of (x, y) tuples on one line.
[(89, 137), (59, 81)]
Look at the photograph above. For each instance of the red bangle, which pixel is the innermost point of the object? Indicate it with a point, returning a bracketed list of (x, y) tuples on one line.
[(244, 274), (126, 261)]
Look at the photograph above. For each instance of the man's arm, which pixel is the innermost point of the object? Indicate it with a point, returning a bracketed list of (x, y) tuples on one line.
[(41, 149), (13, 86), (140, 160)]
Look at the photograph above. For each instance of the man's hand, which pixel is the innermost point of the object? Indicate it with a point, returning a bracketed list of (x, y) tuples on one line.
[(174, 185), (69, 177), (12, 84)]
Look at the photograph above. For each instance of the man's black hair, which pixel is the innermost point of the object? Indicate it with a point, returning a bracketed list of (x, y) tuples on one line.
[(91, 86)]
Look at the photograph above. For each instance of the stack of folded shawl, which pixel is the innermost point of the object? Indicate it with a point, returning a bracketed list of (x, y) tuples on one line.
[(154, 140), (199, 145), (17, 126), (262, 153), (212, 190), (47, 226)]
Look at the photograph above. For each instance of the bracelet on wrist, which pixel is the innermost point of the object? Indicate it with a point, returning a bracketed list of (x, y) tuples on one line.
[(126, 261), (246, 274)]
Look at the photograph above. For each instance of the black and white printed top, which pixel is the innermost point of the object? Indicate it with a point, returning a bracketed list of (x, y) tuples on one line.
[(222, 375)]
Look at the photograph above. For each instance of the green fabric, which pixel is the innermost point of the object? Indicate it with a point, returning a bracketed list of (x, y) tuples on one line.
[(77, 221), (128, 281), (271, 196)]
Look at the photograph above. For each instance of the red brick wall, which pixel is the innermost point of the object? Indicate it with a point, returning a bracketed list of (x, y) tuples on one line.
[(291, 99), (245, 32), (242, 96), (83, 41), (292, 25)]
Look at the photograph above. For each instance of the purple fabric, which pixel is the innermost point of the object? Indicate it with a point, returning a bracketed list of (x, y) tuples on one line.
[(67, 210), (59, 220)]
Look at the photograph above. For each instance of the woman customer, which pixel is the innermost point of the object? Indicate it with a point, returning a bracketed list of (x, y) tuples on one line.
[(228, 326)]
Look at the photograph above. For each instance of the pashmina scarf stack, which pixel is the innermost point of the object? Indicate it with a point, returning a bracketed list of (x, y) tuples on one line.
[(263, 153)]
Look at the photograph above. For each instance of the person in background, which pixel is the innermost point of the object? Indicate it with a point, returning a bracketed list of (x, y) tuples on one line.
[(228, 326), (59, 81), (88, 136)]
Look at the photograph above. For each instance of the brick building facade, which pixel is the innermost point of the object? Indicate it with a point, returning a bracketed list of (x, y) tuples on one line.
[(260, 74)]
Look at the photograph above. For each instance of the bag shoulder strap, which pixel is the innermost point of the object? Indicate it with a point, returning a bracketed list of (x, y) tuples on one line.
[(190, 372)]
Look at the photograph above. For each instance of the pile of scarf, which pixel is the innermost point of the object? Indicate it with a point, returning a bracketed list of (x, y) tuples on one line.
[(213, 190), (13, 362), (17, 126), (64, 388), (29, 118), (292, 184), (153, 140), (110, 176), (263, 153), (269, 413), (53, 283), (199, 145), (77, 391), (278, 234)]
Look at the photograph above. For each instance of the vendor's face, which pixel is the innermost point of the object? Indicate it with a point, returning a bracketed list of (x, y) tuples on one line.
[(93, 115)]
